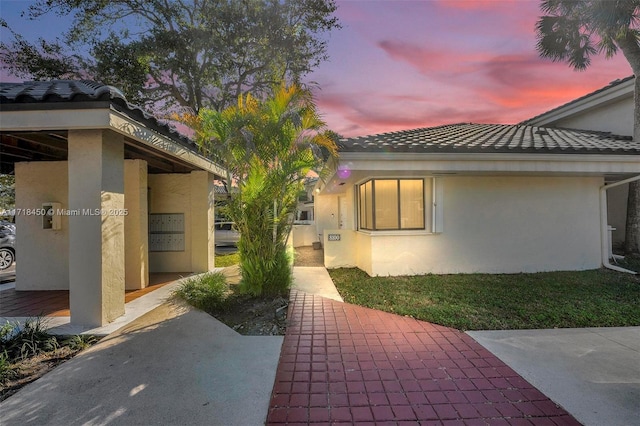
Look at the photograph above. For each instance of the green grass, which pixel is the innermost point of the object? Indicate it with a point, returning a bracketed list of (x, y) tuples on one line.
[(598, 298), (224, 260), (206, 291)]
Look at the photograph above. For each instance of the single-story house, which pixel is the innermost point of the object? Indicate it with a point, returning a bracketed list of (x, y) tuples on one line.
[(105, 194), (468, 198)]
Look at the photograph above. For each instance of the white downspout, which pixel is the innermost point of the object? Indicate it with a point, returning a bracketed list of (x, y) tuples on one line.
[(604, 231)]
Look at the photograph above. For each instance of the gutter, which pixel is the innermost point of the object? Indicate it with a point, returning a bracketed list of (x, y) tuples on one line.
[(604, 231)]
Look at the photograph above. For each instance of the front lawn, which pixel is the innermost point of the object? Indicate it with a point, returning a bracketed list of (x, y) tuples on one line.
[(598, 298)]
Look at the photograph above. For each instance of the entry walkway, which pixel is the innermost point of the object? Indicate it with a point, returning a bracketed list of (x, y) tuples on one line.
[(342, 363), (173, 366)]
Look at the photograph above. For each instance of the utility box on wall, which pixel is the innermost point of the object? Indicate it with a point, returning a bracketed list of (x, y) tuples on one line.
[(50, 217)]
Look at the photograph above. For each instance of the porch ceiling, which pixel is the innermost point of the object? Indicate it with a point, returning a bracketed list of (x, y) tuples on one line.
[(52, 146)]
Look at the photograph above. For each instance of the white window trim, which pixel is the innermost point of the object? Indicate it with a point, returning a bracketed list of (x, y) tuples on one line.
[(437, 224)]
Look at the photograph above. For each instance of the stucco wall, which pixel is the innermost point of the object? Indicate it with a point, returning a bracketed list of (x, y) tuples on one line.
[(192, 195), (616, 117), (42, 254), (495, 225), (340, 253), (303, 235), (326, 212), (170, 193)]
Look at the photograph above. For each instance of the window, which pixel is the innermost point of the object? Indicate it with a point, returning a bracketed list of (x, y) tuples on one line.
[(391, 204)]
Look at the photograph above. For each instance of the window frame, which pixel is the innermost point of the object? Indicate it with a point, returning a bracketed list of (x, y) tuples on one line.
[(372, 214)]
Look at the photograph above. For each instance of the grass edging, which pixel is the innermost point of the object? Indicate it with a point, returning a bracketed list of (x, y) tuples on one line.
[(597, 298)]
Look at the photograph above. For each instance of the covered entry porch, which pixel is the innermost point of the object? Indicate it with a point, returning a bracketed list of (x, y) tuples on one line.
[(106, 195)]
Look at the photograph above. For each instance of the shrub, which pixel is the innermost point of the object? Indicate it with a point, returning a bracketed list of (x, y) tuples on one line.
[(7, 370), (29, 340), (80, 342), (207, 291)]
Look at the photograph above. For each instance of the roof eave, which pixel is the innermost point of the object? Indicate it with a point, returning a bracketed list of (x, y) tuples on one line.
[(599, 98), (100, 116)]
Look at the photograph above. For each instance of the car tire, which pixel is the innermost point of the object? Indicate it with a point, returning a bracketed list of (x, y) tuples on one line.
[(6, 258)]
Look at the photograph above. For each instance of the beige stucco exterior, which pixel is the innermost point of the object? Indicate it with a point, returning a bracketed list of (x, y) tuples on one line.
[(608, 110), (136, 225), (615, 117), (303, 235), (192, 195), (93, 158), (102, 245), (43, 253), (96, 240), (490, 224)]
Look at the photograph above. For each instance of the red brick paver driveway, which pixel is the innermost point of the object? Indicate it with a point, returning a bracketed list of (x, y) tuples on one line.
[(347, 364)]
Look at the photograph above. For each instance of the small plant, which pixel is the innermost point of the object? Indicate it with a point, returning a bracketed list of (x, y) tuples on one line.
[(207, 291), (80, 342), (7, 370), (20, 342)]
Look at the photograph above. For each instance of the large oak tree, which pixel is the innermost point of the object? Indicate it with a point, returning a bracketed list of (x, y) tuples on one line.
[(177, 53), (575, 30)]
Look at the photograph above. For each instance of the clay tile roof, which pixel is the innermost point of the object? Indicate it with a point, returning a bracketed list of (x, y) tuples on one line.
[(492, 138), (59, 93)]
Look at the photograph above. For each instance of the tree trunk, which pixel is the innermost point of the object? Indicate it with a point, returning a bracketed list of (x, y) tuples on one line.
[(632, 235), (631, 52), (632, 232)]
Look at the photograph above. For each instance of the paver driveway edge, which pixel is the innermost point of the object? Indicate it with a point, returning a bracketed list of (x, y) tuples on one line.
[(593, 372)]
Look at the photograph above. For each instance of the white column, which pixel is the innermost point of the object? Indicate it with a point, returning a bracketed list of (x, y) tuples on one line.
[(96, 236), (136, 225)]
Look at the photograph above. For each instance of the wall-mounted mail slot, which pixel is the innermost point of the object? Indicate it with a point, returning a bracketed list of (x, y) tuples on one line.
[(166, 232), (333, 237)]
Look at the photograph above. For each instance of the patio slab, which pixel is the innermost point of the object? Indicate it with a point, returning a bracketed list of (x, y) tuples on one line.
[(346, 364)]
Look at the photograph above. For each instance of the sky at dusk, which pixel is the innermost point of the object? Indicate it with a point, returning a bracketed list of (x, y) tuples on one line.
[(399, 65)]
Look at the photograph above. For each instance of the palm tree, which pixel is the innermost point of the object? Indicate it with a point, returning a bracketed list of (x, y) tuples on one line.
[(573, 31), (268, 147)]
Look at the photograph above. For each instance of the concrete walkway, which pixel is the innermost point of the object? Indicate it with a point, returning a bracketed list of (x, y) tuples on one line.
[(594, 373), (315, 280), (173, 366)]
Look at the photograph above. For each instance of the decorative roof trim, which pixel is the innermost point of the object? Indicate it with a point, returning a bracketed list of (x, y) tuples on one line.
[(85, 94)]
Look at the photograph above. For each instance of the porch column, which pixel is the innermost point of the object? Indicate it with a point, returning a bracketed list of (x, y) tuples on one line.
[(136, 225), (96, 235), (202, 222)]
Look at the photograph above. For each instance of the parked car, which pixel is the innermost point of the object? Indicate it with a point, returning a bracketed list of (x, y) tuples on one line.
[(7, 245), (226, 234)]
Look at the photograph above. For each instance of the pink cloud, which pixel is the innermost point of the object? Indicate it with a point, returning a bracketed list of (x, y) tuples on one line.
[(471, 4), (400, 65)]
